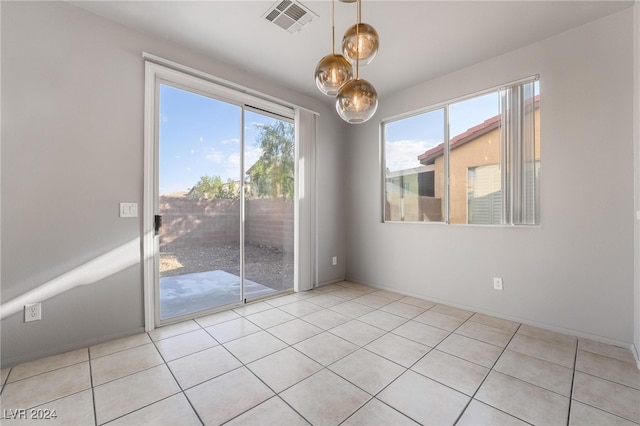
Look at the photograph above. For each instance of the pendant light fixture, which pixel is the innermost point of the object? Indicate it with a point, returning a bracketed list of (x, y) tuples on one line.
[(357, 100), (333, 71), (360, 41)]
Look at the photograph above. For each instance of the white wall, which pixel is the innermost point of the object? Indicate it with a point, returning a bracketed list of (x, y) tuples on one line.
[(574, 273), (72, 149)]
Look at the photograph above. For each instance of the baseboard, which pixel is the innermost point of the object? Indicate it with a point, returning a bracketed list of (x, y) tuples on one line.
[(11, 362), (636, 354), (331, 281), (526, 321)]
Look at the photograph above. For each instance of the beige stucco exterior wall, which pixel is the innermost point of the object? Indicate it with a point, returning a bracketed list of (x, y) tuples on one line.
[(482, 151)]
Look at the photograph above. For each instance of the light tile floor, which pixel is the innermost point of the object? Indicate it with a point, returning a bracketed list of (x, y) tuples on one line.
[(341, 354)]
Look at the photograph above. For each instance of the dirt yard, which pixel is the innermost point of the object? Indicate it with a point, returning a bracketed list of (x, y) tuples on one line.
[(264, 265)]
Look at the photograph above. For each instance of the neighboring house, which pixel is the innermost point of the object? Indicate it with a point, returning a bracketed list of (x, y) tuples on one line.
[(474, 179), (410, 195)]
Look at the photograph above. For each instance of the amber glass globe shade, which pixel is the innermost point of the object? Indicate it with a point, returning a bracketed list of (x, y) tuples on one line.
[(357, 101), (332, 72), (361, 38)]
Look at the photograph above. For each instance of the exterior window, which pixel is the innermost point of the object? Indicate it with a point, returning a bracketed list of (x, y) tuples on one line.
[(473, 161), (413, 192)]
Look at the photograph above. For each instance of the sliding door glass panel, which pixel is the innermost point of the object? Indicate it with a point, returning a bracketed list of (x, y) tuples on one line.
[(474, 160), (198, 194), (269, 149), (414, 168)]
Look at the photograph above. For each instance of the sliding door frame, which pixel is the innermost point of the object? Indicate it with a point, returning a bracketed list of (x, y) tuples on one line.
[(157, 71)]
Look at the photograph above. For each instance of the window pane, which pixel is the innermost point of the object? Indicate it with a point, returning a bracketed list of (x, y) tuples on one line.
[(486, 170), (474, 160), (269, 154), (531, 153), (414, 170), (199, 240)]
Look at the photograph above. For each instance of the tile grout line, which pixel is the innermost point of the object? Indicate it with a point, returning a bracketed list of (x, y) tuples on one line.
[(5, 382), (573, 378), (93, 394), (386, 332), (41, 373), (485, 378), (540, 359), (50, 371), (327, 367), (3, 385), (119, 350), (324, 367), (132, 373), (375, 396), (504, 348), (243, 365), (275, 394), (599, 408), (400, 375), (182, 391), (609, 381)]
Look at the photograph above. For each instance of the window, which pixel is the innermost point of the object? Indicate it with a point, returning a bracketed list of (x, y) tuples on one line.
[(406, 140), (471, 161)]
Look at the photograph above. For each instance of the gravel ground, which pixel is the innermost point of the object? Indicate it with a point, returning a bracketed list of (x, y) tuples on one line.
[(264, 265)]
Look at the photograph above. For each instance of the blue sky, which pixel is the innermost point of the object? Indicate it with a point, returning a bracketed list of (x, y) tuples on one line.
[(201, 136), (410, 137), (407, 138)]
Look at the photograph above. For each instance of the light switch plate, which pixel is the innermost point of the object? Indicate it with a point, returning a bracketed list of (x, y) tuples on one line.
[(128, 209)]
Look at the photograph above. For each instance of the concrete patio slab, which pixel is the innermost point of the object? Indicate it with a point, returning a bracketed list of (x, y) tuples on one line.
[(189, 293)]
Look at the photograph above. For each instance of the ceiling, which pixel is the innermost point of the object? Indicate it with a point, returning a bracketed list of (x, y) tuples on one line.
[(419, 40)]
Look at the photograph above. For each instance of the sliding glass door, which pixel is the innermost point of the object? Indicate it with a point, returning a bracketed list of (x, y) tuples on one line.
[(268, 203), (225, 217)]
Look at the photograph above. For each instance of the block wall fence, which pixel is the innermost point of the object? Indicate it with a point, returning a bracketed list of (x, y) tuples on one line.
[(190, 222)]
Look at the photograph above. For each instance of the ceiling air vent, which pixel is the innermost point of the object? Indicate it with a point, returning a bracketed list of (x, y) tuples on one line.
[(289, 15)]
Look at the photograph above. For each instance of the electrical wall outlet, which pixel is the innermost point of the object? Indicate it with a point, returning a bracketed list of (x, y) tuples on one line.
[(334, 261), (497, 283), (32, 312)]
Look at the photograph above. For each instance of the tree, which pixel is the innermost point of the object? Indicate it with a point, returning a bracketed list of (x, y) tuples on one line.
[(209, 187), (273, 174)]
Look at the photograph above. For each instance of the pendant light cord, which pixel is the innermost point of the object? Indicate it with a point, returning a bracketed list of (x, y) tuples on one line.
[(358, 39), (333, 26)]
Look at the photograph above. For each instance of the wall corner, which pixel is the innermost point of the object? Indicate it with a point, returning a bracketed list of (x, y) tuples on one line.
[(636, 168)]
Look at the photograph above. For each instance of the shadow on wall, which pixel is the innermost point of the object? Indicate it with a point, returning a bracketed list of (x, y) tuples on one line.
[(91, 272), (270, 224)]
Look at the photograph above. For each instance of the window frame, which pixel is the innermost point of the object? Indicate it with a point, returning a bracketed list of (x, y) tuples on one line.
[(445, 105)]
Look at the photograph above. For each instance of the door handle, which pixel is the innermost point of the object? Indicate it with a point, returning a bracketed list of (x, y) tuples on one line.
[(157, 223)]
